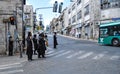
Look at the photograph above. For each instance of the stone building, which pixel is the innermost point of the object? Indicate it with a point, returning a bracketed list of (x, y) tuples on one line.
[(9, 8)]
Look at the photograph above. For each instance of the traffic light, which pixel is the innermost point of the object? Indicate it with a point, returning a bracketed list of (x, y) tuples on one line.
[(60, 7), (12, 20), (55, 5), (24, 2), (41, 23)]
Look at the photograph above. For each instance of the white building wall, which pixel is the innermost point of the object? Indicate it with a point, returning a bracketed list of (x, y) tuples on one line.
[(28, 9), (110, 13), (66, 18)]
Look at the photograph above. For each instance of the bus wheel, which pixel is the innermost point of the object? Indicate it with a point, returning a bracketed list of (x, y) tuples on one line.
[(115, 42)]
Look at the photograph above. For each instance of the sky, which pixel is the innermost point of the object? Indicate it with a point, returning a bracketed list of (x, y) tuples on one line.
[(47, 14)]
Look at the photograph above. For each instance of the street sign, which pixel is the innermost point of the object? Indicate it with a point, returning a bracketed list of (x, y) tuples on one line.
[(115, 19)]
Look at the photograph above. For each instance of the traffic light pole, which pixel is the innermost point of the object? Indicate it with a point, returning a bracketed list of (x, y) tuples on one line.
[(42, 8), (23, 29)]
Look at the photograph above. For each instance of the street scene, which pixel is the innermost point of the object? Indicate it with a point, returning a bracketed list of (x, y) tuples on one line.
[(72, 56), (59, 37)]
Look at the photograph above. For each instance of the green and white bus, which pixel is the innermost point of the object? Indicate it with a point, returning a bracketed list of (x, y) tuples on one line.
[(109, 34)]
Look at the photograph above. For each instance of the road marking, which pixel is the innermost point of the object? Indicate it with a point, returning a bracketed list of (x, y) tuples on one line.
[(11, 72), (48, 48), (85, 55), (56, 53), (99, 56), (67, 52), (9, 65), (115, 57), (12, 66), (49, 52), (75, 54)]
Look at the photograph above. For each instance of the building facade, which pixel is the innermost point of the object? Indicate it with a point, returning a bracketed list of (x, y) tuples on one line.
[(110, 11), (82, 17), (9, 8), (29, 18)]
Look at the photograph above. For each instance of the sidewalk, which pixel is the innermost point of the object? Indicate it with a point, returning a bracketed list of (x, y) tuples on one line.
[(78, 38), (5, 60)]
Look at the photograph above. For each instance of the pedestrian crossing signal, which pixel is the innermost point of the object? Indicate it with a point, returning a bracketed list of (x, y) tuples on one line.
[(12, 20)]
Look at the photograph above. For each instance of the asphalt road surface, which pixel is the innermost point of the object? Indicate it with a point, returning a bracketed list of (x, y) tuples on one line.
[(72, 56)]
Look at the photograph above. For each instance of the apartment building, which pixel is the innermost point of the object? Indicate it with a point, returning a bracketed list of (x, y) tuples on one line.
[(110, 11), (83, 18), (29, 18)]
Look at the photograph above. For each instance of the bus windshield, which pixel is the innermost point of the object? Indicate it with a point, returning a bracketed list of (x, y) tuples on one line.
[(103, 32)]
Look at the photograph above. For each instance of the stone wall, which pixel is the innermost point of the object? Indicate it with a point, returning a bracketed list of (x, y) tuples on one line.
[(6, 10)]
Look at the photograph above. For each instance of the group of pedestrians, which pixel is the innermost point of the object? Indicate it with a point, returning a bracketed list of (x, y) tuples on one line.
[(38, 43)]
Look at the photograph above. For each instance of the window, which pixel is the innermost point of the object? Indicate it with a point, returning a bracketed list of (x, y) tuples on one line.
[(86, 10), (69, 21), (73, 7), (79, 15), (105, 4), (73, 19), (69, 11), (78, 2)]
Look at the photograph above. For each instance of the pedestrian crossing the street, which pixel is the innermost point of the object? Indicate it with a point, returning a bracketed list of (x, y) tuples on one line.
[(11, 68), (70, 54)]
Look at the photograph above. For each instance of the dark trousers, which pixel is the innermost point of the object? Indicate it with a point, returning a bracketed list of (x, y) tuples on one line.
[(29, 54), (10, 51), (29, 57), (54, 45), (35, 49), (41, 53)]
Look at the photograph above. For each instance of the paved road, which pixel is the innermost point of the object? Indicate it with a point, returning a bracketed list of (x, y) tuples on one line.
[(72, 56)]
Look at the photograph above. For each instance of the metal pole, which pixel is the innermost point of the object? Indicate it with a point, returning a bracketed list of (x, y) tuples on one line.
[(42, 8), (23, 31), (6, 37)]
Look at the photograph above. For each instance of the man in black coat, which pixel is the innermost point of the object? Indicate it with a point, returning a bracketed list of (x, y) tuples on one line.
[(55, 40), (35, 44), (29, 46), (41, 46), (10, 46)]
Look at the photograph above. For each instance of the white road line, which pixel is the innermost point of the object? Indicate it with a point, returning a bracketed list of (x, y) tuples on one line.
[(85, 55), (12, 66), (100, 55), (115, 57), (56, 53), (48, 48), (9, 64), (11, 72), (64, 53), (49, 52), (75, 54)]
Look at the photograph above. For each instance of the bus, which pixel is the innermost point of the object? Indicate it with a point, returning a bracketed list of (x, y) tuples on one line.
[(109, 34)]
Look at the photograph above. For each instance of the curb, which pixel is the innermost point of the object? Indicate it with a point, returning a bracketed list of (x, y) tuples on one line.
[(78, 38)]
